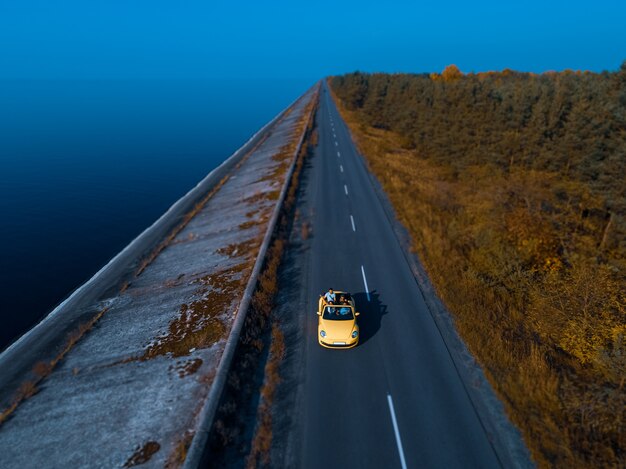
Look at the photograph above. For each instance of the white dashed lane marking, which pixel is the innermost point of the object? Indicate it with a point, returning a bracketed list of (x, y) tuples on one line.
[(367, 290), (396, 431)]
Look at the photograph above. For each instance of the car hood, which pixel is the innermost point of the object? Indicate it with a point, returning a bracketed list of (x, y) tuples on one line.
[(337, 329)]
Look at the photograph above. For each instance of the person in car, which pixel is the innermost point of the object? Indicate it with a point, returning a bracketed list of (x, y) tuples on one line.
[(344, 302), (330, 297)]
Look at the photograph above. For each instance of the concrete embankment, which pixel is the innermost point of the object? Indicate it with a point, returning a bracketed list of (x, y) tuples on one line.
[(126, 370)]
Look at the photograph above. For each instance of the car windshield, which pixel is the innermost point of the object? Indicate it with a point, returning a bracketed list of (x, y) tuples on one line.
[(338, 313)]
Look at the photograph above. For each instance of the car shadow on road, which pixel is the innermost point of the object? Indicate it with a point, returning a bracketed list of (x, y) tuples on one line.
[(372, 312)]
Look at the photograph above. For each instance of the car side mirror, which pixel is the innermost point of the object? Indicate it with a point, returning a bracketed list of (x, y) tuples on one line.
[(318, 313), (357, 313)]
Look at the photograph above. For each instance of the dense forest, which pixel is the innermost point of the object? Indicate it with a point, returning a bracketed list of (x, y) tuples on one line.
[(513, 187)]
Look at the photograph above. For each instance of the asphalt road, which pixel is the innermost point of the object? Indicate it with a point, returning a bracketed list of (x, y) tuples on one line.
[(396, 400)]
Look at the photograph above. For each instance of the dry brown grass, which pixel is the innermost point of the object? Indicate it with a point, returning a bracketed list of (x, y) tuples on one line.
[(262, 440), (26, 390), (314, 138), (254, 198), (526, 326), (42, 370), (248, 224), (187, 367), (200, 323), (305, 230), (283, 157), (143, 454), (179, 454), (243, 248)]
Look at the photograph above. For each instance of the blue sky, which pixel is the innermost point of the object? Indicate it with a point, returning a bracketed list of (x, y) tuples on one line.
[(302, 40)]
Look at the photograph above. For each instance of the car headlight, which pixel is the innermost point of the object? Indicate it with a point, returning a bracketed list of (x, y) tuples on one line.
[(323, 333), (355, 334)]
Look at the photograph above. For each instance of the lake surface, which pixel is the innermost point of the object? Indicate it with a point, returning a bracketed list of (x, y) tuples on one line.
[(85, 166)]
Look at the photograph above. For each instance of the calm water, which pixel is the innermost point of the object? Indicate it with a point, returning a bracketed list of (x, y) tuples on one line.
[(85, 166)]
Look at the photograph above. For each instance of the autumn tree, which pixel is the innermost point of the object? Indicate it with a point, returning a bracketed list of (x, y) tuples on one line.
[(451, 73)]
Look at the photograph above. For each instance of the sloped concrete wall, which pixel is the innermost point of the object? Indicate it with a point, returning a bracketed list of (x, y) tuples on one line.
[(136, 378)]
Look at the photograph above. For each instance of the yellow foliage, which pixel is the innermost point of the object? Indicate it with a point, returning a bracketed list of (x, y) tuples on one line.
[(515, 264), (451, 73), (552, 264), (583, 340)]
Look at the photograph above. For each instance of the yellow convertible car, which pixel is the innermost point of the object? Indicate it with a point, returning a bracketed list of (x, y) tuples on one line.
[(337, 326)]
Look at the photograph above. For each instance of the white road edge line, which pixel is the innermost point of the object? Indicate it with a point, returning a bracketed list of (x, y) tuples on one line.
[(352, 221), (338, 154), (345, 189), (336, 144), (341, 167), (395, 429), (367, 290)]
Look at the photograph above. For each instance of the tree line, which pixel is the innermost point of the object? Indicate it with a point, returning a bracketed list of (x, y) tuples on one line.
[(513, 186)]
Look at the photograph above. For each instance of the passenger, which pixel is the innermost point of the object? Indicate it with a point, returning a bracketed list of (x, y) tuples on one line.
[(345, 310), (330, 297)]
